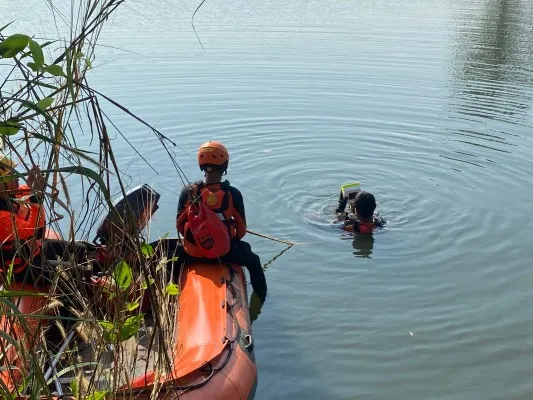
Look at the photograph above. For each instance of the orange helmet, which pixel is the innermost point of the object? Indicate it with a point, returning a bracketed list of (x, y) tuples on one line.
[(213, 154)]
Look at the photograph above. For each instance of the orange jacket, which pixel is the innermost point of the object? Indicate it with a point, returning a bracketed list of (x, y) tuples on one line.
[(223, 199), (22, 220), (356, 226)]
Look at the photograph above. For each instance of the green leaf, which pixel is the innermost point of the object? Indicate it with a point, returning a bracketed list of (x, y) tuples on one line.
[(110, 336), (55, 70), (8, 128), (74, 387), (110, 332), (43, 104), (37, 53), (47, 43), (13, 45), (123, 275), (33, 107), (24, 54), (33, 66), (108, 326), (147, 250), (97, 396), (132, 306), (149, 283), (89, 63), (78, 55), (131, 327), (172, 289)]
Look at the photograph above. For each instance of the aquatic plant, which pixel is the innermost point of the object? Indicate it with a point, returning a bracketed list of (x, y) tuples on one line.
[(46, 103)]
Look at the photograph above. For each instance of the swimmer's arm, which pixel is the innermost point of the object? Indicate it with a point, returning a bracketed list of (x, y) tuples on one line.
[(348, 226), (342, 203)]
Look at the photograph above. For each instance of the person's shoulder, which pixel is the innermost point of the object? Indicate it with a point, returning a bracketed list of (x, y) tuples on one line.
[(186, 191), (232, 189), (190, 186)]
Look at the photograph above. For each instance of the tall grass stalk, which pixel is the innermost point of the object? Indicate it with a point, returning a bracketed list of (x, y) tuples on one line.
[(46, 101)]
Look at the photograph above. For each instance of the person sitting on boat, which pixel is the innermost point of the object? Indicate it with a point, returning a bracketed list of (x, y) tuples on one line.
[(211, 217), (23, 223), (22, 217), (362, 217)]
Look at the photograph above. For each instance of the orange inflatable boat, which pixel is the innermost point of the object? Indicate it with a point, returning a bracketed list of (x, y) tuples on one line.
[(19, 331), (211, 352), (212, 356)]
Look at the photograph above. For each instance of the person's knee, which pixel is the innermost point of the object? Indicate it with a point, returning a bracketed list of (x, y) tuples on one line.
[(255, 258)]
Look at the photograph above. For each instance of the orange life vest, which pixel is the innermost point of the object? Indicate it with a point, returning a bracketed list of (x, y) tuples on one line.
[(354, 225), (22, 227), (364, 227), (210, 226)]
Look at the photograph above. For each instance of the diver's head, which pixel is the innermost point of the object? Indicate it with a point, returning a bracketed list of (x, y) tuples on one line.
[(365, 205)]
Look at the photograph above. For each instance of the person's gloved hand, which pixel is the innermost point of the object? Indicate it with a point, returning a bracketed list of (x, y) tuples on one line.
[(342, 215)]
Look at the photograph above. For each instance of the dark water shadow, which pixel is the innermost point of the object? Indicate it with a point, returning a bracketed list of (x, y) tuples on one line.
[(363, 245)]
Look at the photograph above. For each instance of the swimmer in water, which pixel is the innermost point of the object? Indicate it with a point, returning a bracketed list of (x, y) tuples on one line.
[(362, 217)]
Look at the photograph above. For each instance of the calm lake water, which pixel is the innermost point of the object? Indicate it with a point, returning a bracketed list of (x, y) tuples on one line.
[(426, 103)]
